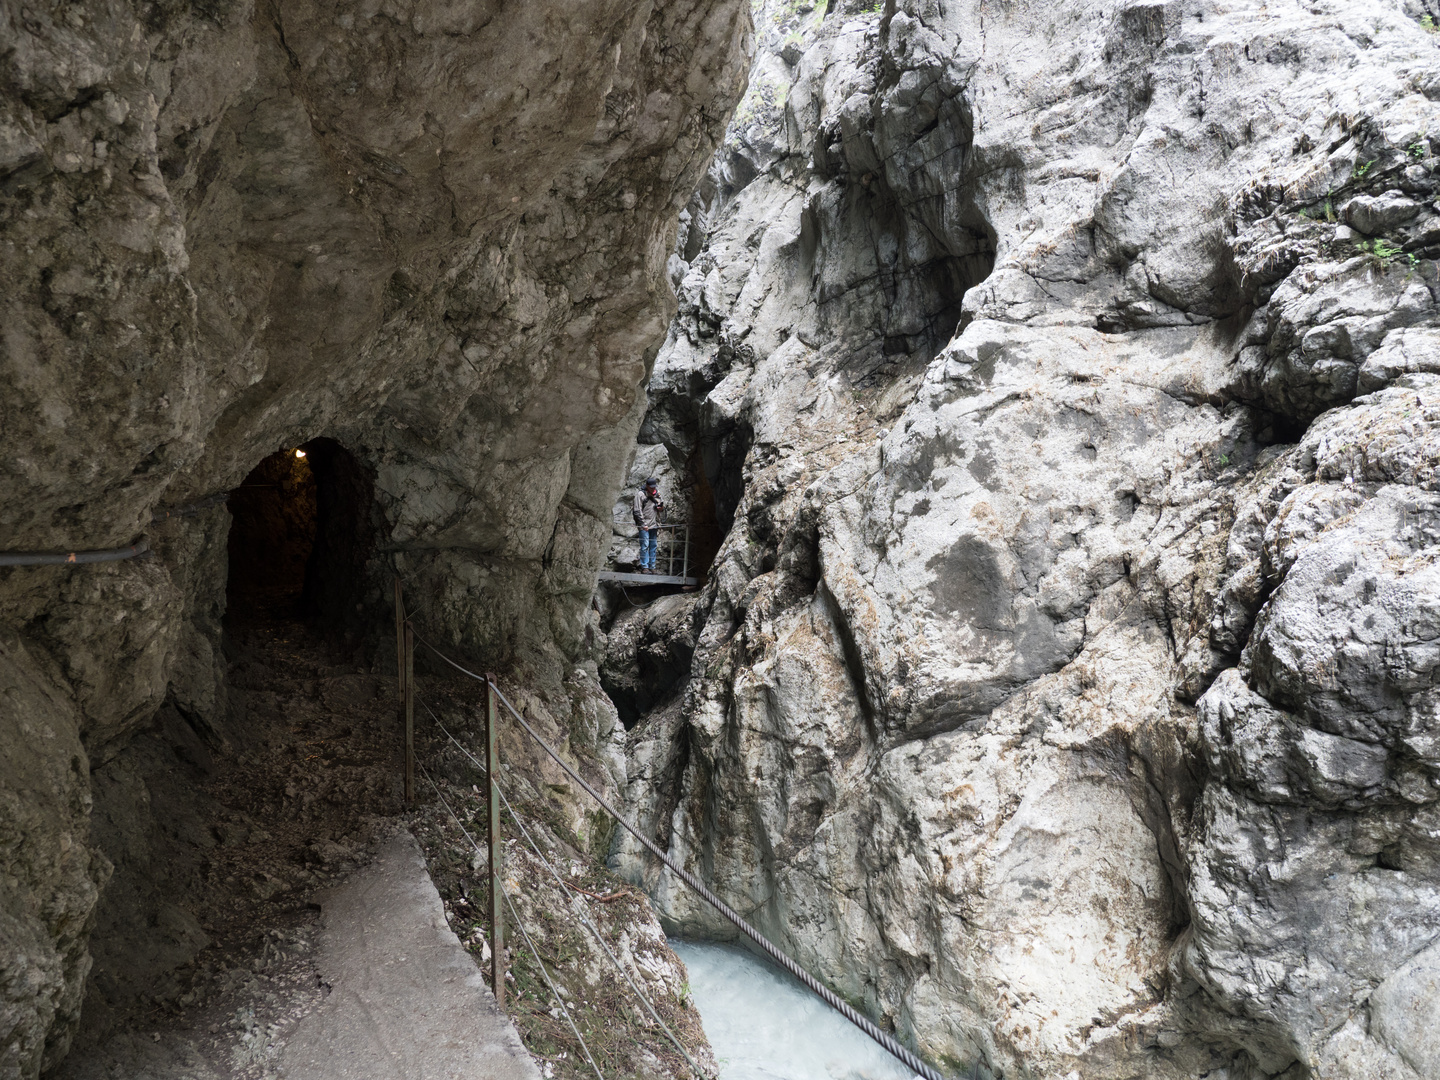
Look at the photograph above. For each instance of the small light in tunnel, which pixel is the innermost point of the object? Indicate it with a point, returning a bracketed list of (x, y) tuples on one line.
[(299, 453)]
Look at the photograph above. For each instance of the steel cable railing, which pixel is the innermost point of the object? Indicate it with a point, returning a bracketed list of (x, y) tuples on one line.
[(515, 916), (566, 889), (579, 911), (911, 1060)]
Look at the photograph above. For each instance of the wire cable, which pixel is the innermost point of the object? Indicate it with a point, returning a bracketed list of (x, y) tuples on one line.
[(864, 1023), (457, 742), (520, 924), (579, 910), (535, 953), (566, 890)]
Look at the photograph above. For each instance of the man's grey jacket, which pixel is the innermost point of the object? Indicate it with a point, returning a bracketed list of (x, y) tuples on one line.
[(647, 510)]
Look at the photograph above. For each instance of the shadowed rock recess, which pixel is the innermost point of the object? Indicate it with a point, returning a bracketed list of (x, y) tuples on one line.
[(1066, 689), (427, 239)]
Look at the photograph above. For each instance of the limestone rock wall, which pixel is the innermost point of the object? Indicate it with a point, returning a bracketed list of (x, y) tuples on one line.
[(434, 232), (1065, 686)]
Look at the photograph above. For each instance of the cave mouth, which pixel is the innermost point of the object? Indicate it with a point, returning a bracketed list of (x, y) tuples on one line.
[(300, 537)]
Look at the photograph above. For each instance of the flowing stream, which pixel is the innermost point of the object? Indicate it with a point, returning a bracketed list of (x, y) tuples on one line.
[(763, 1025)]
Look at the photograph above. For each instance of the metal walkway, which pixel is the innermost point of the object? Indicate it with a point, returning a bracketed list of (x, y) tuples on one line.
[(672, 558), (646, 579)]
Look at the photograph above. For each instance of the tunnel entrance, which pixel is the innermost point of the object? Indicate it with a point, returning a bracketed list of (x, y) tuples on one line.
[(272, 536), (300, 536)]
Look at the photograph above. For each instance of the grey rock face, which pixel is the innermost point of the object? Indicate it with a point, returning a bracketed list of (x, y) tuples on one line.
[(1380, 215), (435, 233), (1064, 687), (52, 878)]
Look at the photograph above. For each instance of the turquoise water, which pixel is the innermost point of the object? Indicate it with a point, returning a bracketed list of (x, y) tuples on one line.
[(763, 1025)]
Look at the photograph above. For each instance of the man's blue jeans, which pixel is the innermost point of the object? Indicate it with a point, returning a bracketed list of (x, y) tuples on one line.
[(647, 548)]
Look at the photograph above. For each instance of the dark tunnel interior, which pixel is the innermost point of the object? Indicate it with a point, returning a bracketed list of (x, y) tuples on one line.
[(300, 536)]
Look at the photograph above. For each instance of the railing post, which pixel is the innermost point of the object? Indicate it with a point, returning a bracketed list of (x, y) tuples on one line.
[(492, 798), (399, 637), (409, 713), (685, 561)]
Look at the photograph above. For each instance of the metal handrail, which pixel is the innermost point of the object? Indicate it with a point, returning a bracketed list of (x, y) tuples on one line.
[(677, 549), (406, 636), (129, 551)]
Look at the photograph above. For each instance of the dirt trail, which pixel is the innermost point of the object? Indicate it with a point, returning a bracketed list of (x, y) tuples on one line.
[(205, 948)]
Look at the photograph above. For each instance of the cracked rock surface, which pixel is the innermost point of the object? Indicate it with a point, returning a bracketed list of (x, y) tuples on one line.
[(1065, 377)]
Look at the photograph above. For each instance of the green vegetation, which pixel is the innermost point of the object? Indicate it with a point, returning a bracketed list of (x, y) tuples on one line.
[(1419, 149), (1385, 251), (1362, 170), (1428, 22)]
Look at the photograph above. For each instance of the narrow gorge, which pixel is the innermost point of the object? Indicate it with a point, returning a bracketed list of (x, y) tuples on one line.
[(1053, 395)]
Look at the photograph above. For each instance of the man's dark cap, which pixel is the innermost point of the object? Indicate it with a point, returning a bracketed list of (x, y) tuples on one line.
[(650, 481)]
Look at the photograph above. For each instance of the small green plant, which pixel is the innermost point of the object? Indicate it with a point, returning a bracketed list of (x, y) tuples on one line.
[(1418, 149), (1362, 170), (1329, 211), (1383, 250), (1224, 460), (1428, 22)]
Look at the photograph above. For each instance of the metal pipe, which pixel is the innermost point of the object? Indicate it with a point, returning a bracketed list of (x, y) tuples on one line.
[(409, 714), (140, 547), (73, 558), (399, 639)]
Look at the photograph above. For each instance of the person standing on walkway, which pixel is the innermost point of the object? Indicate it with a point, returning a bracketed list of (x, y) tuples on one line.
[(648, 509)]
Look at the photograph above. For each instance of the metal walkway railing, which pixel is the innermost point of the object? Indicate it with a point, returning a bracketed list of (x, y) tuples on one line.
[(406, 637), (675, 561)]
